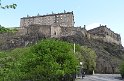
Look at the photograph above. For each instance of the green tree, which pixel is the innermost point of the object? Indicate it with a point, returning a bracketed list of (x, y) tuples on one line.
[(13, 6), (54, 60), (89, 59)]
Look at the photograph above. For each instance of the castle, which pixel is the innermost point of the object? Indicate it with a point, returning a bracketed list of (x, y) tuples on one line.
[(62, 24)]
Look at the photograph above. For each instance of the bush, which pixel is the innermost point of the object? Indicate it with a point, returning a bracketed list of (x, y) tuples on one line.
[(56, 58), (10, 61)]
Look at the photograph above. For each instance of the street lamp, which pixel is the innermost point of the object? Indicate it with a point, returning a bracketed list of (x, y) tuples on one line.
[(82, 70), (81, 63)]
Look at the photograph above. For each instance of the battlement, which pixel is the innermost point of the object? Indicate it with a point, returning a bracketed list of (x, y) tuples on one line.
[(53, 14)]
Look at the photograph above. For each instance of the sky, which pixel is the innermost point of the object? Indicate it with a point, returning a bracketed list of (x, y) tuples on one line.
[(91, 13)]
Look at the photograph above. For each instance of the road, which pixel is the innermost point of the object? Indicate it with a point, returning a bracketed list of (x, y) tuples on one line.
[(101, 77)]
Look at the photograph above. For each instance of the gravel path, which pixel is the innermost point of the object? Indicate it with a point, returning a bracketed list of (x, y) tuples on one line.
[(101, 77)]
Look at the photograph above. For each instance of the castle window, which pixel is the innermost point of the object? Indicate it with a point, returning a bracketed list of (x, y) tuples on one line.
[(54, 33), (102, 31)]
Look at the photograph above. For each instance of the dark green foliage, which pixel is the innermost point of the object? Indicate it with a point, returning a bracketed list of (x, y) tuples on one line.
[(13, 6)]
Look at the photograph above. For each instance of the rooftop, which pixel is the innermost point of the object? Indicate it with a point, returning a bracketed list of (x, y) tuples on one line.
[(53, 14)]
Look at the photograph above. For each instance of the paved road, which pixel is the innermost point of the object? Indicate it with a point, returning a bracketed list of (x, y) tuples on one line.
[(101, 77)]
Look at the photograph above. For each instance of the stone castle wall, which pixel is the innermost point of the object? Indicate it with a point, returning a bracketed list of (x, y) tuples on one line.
[(56, 31), (65, 19), (39, 29)]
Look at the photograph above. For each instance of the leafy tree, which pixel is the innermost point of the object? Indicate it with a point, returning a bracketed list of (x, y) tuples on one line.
[(55, 59), (13, 6), (89, 59)]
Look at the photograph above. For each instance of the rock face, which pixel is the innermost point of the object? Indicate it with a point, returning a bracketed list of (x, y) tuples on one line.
[(10, 41)]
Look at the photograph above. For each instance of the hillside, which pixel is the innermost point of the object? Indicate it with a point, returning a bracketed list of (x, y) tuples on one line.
[(109, 56)]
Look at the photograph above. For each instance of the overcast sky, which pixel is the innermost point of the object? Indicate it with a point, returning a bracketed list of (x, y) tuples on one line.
[(86, 12)]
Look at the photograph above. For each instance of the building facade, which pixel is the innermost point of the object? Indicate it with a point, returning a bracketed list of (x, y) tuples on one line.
[(65, 19)]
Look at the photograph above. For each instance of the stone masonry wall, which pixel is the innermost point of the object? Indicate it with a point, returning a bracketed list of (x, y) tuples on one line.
[(41, 29), (65, 19)]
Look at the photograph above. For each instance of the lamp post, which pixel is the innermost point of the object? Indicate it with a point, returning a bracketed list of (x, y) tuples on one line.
[(82, 70), (74, 48)]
